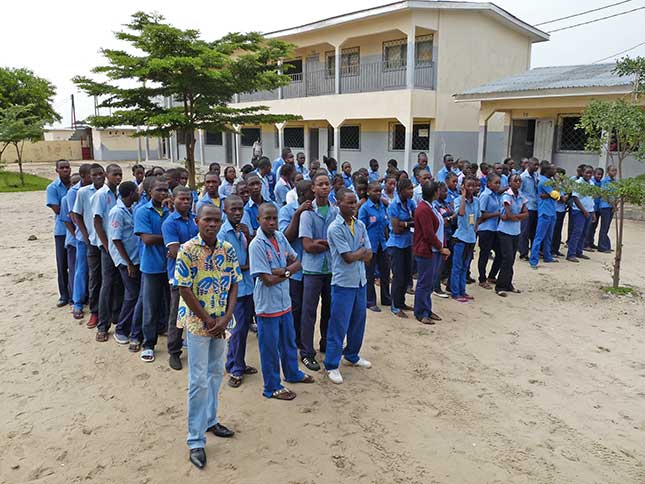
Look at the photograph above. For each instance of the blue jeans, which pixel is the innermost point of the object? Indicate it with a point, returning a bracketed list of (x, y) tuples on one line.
[(80, 275), (578, 233), (132, 287), (543, 234), (277, 341), (205, 373), (347, 319), (156, 302), (461, 258), (605, 214), (427, 275), (239, 329)]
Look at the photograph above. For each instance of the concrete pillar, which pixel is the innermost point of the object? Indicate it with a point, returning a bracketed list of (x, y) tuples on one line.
[(481, 142), (407, 164), (238, 149), (410, 59), (280, 127), (200, 146), (173, 147), (337, 69), (139, 149), (159, 150), (147, 148), (337, 144), (306, 143)]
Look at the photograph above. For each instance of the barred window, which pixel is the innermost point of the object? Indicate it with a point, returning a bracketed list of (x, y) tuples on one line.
[(214, 138), (250, 136), (350, 62), (350, 138), (571, 138), (420, 137), (395, 52), (294, 137), (397, 137)]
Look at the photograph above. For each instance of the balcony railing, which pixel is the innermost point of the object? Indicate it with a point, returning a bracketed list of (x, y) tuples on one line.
[(363, 77)]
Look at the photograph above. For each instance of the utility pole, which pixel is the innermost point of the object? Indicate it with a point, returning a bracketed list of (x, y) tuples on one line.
[(73, 113)]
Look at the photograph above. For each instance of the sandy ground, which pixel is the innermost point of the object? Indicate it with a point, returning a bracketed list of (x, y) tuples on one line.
[(547, 386)]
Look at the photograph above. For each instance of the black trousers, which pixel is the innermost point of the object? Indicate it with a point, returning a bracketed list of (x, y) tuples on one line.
[(94, 277), (557, 232), (529, 225), (111, 292), (175, 334), (381, 260), (401, 260), (487, 242), (295, 292), (508, 247)]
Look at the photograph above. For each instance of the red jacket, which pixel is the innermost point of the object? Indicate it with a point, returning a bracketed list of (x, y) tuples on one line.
[(426, 225)]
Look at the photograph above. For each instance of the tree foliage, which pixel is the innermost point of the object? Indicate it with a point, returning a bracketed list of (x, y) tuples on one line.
[(200, 76)]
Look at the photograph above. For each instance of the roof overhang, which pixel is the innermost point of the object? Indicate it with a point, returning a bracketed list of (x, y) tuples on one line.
[(535, 34), (544, 93)]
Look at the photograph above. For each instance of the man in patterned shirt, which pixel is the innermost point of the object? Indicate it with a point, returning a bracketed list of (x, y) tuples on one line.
[(207, 273)]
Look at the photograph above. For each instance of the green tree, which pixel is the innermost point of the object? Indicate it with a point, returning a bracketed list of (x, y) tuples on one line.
[(25, 109), (201, 77), (620, 126)]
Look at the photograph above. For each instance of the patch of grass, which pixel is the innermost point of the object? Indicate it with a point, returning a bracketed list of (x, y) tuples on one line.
[(10, 182), (619, 291)]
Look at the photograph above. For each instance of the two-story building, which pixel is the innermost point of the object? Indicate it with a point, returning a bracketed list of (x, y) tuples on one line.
[(378, 83)]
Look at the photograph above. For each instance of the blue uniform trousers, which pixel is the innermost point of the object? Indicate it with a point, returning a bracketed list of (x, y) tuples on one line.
[(461, 258), (239, 329), (605, 214), (347, 319), (80, 275), (578, 232), (427, 274), (543, 235), (277, 341), (131, 288)]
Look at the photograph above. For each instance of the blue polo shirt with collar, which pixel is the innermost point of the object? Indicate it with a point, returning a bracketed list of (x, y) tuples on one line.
[(56, 190), (70, 239), (512, 204), (466, 223), (373, 176), (121, 228), (177, 230), (586, 201), (489, 202), (285, 215), (546, 206), (83, 207), (102, 202), (528, 189), (405, 213), (314, 225), (606, 184), (374, 217), (238, 241), (147, 220), (252, 209), (341, 241)]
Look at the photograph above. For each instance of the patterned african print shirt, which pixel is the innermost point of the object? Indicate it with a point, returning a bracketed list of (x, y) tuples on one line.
[(210, 274)]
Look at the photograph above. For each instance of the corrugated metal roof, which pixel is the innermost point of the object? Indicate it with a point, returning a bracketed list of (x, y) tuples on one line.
[(555, 77)]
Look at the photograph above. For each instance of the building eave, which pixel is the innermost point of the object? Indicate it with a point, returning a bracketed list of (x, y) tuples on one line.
[(543, 93)]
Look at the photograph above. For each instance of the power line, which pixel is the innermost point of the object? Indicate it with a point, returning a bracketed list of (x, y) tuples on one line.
[(618, 53), (582, 13), (595, 20)]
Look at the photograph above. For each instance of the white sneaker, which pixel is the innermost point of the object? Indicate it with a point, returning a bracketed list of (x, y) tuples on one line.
[(335, 376), (361, 363)]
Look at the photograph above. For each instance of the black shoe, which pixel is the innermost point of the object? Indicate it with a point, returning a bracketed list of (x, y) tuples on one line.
[(524, 257), (174, 362), (61, 303), (310, 363), (584, 257), (220, 431), (470, 280), (198, 458), (405, 307)]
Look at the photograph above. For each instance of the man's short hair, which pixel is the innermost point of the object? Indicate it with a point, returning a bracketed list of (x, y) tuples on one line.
[(181, 189), (126, 188)]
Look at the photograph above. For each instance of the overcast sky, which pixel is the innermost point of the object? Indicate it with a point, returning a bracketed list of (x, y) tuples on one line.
[(61, 39)]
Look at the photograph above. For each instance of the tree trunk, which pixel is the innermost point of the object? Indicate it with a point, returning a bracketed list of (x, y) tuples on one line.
[(190, 159), (19, 153), (619, 241)]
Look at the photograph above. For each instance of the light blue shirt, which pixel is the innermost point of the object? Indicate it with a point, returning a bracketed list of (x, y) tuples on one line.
[(466, 223), (280, 192), (489, 202), (225, 189), (373, 176), (314, 226), (263, 259), (342, 241), (587, 202), (103, 201), (285, 215), (238, 241), (503, 182), (121, 228), (207, 200), (147, 220), (511, 204), (375, 219), (606, 184), (251, 211), (414, 178), (405, 213), (71, 200), (546, 206), (56, 190), (83, 207), (528, 189), (70, 239), (275, 166)]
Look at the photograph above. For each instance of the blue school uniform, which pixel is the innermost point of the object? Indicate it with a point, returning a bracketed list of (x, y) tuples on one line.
[(238, 241), (463, 247), (489, 202), (207, 200), (443, 173), (373, 176), (121, 227), (314, 226), (251, 210), (606, 184), (103, 201), (225, 189), (349, 296), (503, 182), (275, 166), (374, 216), (83, 207), (56, 190), (147, 220), (285, 215), (466, 223), (276, 334), (70, 239), (452, 194), (546, 208), (528, 189), (177, 230), (280, 192), (512, 204), (348, 180), (405, 213)]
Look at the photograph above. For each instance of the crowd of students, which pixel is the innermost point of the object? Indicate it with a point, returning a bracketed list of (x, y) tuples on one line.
[(258, 250)]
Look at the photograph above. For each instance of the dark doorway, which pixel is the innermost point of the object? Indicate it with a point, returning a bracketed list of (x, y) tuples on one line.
[(313, 145), (522, 138)]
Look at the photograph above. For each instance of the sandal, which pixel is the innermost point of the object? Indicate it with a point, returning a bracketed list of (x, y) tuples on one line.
[(485, 285), (234, 381), (249, 370), (435, 317), (78, 314), (283, 394), (148, 355), (102, 336), (134, 347), (306, 379)]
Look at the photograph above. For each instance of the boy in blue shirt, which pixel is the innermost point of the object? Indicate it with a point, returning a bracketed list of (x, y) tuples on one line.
[(422, 164), (211, 185), (124, 251), (373, 214), (289, 224), (237, 234), (256, 199), (467, 208), (606, 211), (350, 249), (148, 220), (272, 262), (582, 210), (528, 189), (346, 168), (177, 229), (70, 236), (596, 180), (447, 168), (56, 190), (316, 265), (489, 206), (547, 198), (374, 175), (111, 293), (560, 212)]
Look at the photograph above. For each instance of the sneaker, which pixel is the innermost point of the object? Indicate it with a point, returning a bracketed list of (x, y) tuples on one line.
[(440, 293), (311, 363), (375, 309), (335, 376), (361, 363), (120, 339), (253, 327)]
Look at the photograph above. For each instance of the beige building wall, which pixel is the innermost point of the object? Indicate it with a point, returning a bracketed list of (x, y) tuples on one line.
[(45, 151)]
